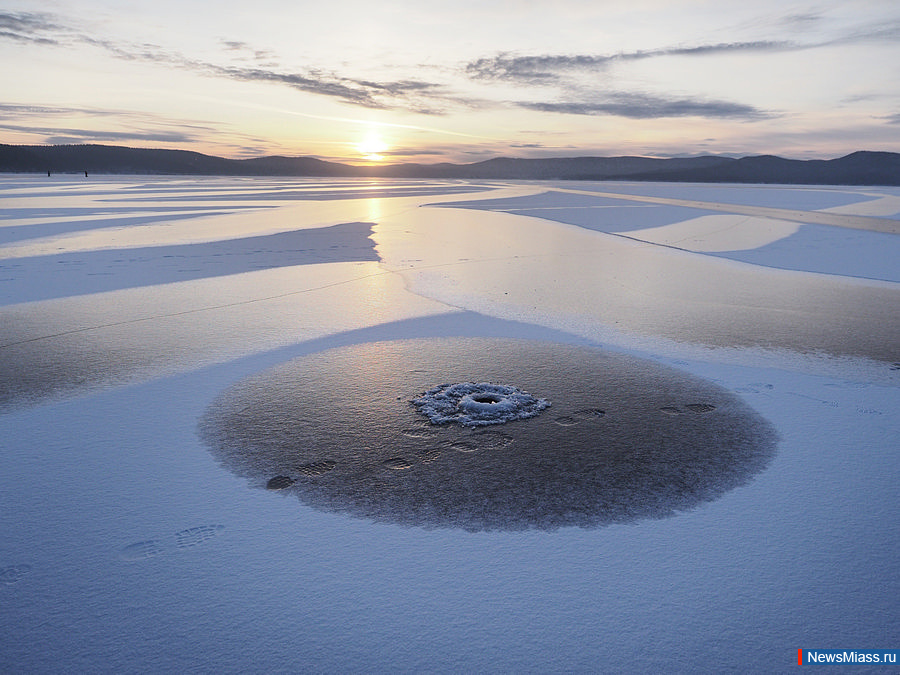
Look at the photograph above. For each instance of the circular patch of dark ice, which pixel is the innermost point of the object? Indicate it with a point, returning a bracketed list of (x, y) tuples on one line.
[(628, 438)]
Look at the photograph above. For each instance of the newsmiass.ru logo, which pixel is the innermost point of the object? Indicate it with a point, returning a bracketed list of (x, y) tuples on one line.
[(817, 656)]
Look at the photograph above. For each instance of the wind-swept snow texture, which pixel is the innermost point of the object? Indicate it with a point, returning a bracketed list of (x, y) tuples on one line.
[(211, 459)]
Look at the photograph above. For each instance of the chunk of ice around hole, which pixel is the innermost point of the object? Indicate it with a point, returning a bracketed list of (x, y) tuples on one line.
[(478, 404)]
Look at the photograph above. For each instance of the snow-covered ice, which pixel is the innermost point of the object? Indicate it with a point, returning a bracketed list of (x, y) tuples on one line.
[(136, 536)]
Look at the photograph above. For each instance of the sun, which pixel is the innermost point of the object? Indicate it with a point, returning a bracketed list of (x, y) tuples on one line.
[(372, 148)]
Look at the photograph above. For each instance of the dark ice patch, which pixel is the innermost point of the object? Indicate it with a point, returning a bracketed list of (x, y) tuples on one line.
[(608, 453)]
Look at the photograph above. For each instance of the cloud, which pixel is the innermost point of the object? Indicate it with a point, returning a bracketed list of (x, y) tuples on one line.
[(802, 20), (531, 69), (407, 94), (243, 62), (17, 110), (413, 152), (26, 22), (27, 27), (884, 31), (51, 123), (64, 135), (244, 51), (554, 71), (551, 68), (645, 106), (309, 82), (794, 22), (548, 68)]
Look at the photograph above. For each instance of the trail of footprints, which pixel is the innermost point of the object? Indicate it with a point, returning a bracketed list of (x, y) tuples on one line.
[(585, 415), (482, 440), (760, 387), (139, 550), (184, 539), (478, 441)]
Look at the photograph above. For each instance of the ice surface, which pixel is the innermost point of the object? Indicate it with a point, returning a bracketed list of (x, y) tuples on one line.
[(717, 233), (625, 438), (603, 214), (566, 277), (840, 199), (96, 271), (127, 547), (784, 244)]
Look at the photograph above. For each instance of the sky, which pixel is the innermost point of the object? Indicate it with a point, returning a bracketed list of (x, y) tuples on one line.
[(390, 81)]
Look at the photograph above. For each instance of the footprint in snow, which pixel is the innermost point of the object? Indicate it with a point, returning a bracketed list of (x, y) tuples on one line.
[(316, 468), (422, 431), (141, 550), (13, 574), (152, 548), (194, 536), (280, 483), (397, 464), (429, 455)]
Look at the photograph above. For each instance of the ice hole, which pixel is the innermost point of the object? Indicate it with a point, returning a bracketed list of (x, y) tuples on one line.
[(478, 404)]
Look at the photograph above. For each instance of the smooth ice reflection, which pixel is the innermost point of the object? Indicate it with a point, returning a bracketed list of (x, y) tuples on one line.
[(625, 438)]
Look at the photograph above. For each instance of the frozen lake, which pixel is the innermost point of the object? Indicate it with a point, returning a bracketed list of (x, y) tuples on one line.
[(211, 461)]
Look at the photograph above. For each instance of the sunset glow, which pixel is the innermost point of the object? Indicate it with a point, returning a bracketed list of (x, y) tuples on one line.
[(458, 82), (372, 148)]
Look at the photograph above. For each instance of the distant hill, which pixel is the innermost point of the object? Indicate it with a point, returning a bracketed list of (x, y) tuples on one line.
[(858, 168), (120, 160)]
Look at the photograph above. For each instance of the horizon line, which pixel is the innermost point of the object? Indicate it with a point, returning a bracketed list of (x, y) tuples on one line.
[(358, 164)]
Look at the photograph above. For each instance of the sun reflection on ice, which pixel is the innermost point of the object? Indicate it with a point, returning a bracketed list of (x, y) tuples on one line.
[(375, 211)]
